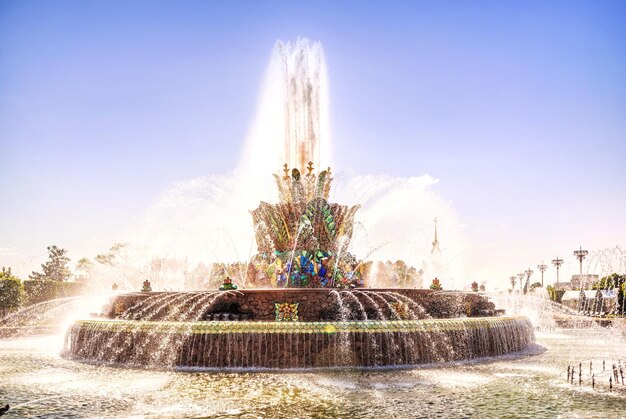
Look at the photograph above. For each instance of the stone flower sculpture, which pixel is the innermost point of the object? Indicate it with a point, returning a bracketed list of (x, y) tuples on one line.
[(303, 238)]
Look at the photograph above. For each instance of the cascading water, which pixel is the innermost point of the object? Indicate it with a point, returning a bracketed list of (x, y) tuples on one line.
[(336, 328), (296, 345), (52, 316)]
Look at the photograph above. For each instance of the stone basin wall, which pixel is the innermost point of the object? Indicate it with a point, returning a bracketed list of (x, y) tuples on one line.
[(276, 345), (313, 304)]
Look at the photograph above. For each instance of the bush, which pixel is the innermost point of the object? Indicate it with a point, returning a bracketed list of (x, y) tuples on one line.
[(535, 285), (38, 291), (10, 293), (555, 295)]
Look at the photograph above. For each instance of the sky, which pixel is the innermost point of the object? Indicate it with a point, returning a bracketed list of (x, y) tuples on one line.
[(517, 108)]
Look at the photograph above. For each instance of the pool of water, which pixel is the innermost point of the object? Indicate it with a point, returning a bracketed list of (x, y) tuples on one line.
[(36, 382)]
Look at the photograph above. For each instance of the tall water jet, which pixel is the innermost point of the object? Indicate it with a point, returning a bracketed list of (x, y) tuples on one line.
[(291, 125)]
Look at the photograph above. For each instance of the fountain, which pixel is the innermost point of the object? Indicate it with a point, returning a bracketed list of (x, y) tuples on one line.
[(310, 295), (310, 305), (317, 312)]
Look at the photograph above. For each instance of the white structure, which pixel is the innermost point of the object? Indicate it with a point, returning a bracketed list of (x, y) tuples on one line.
[(589, 302)]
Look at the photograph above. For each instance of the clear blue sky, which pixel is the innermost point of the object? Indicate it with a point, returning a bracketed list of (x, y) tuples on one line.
[(519, 108)]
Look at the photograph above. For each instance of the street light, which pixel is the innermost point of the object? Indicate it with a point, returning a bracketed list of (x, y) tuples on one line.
[(528, 273), (581, 255), (513, 279), (542, 268), (521, 276), (557, 262)]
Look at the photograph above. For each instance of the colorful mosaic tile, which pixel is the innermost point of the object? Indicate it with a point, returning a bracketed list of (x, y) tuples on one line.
[(286, 312)]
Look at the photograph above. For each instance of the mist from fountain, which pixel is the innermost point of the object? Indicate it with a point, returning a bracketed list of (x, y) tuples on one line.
[(206, 220), (535, 305)]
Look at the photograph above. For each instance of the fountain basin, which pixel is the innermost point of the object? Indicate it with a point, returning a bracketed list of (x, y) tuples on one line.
[(286, 345)]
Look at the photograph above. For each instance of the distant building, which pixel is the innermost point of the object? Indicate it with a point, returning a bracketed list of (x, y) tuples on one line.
[(577, 282), (584, 281)]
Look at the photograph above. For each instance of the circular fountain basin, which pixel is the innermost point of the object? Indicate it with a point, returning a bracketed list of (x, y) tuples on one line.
[(287, 345)]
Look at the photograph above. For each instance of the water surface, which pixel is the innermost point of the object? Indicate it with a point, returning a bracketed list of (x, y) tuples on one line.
[(36, 382)]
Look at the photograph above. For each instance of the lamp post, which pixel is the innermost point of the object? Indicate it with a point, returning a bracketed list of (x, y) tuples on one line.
[(513, 279), (581, 255), (557, 262), (542, 268), (528, 273), (521, 276)]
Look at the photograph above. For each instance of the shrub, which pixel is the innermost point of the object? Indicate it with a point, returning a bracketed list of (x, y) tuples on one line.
[(555, 295), (10, 293), (38, 291)]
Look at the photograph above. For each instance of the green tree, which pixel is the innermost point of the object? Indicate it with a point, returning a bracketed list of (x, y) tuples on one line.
[(555, 295), (84, 266), (56, 268), (609, 282), (613, 281), (109, 257), (10, 290), (401, 269)]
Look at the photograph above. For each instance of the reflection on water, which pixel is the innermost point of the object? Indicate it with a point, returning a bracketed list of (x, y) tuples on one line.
[(36, 382)]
